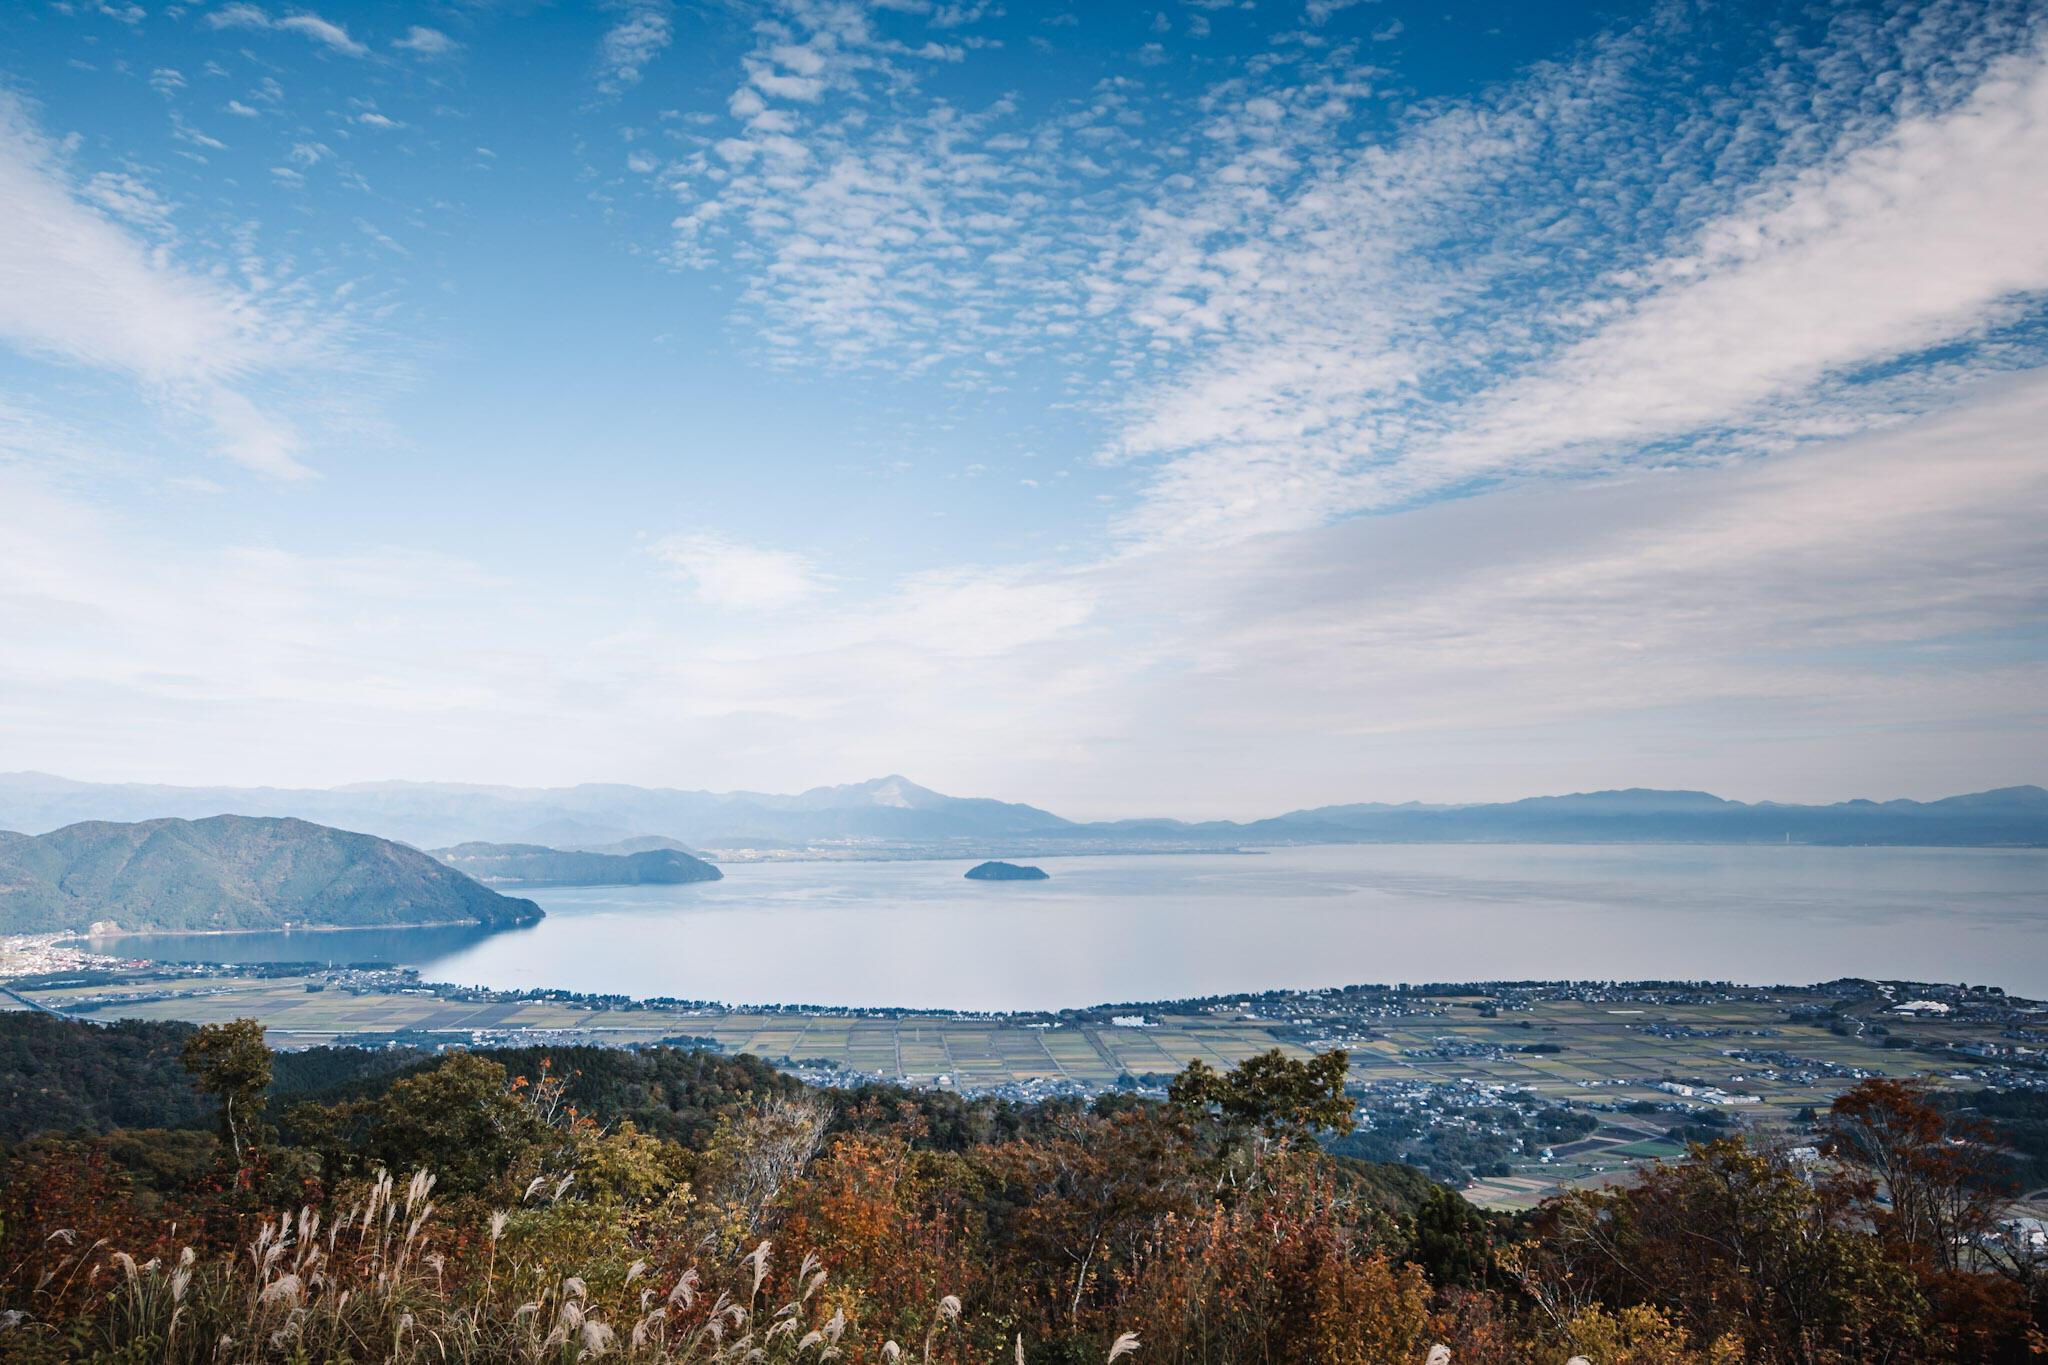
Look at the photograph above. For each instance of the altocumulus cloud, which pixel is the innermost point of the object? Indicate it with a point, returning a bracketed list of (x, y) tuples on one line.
[(628, 46), (1541, 430), (1442, 311), (1314, 327), (1289, 309)]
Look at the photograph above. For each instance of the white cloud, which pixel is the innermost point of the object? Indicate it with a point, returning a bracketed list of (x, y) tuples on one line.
[(919, 239), (1817, 625), (630, 45), (312, 26), (725, 573), (77, 288), (1835, 621), (127, 196), (322, 31), (250, 436), (1351, 348), (1847, 617), (1918, 239), (982, 613), (1319, 12), (1291, 313), (162, 634), (426, 42), (1343, 359), (185, 132)]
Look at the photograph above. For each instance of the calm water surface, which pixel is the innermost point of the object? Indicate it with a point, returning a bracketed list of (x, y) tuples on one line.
[(1130, 928)]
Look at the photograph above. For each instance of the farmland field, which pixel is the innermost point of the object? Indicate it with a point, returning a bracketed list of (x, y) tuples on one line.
[(1590, 1047), (1640, 1059)]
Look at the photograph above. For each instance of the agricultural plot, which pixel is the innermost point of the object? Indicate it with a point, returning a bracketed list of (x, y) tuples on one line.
[(1554, 1043), (1453, 1067), (297, 1017)]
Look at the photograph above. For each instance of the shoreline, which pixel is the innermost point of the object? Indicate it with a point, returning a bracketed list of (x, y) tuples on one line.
[(742, 857), (88, 936)]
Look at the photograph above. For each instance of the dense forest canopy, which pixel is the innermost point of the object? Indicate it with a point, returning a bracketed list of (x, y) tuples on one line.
[(667, 1205)]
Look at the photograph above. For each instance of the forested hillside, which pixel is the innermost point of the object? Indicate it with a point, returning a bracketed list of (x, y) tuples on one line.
[(59, 1076), (233, 872), (567, 1205), (534, 865)]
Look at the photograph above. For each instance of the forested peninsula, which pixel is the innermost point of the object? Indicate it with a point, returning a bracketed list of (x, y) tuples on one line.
[(536, 865), (232, 872)]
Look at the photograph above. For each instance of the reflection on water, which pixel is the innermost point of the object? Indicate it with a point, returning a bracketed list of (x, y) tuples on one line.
[(1135, 928), (338, 947)]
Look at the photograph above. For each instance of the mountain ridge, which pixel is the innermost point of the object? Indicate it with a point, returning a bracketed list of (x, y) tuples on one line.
[(894, 815), (233, 872)]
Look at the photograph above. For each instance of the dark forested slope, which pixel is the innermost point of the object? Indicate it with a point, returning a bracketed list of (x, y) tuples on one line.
[(57, 1076)]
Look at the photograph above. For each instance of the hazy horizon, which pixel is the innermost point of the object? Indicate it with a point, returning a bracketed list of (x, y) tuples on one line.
[(1197, 410), (1079, 816)]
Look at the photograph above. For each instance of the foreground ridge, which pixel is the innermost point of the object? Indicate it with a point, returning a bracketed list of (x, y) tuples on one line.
[(690, 1208)]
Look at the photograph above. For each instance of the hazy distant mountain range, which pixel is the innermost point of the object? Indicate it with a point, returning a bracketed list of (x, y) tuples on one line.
[(232, 872), (892, 816)]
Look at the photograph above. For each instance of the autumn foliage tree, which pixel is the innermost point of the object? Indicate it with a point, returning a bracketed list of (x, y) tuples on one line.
[(1732, 1245), (461, 1212), (1936, 1173)]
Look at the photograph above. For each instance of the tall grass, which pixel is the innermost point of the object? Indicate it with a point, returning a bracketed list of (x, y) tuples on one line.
[(372, 1284)]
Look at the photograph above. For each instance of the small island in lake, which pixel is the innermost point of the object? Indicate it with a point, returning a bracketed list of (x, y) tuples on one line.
[(1005, 872)]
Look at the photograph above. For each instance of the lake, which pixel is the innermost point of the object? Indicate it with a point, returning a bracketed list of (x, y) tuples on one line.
[(1151, 927)]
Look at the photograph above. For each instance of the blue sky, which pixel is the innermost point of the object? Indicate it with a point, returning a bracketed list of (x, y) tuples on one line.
[(1207, 408)]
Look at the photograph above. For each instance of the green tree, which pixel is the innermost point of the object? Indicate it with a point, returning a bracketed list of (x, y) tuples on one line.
[(460, 1121), (1451, 1240), (230, 1063), (1271, 1094)]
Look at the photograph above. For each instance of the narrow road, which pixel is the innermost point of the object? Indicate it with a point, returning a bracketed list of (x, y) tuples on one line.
[(13, 994)]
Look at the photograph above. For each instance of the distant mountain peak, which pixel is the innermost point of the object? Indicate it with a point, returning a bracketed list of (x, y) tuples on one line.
[(898, 791), (2028, 795), (894, 792), (1655, 798)]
